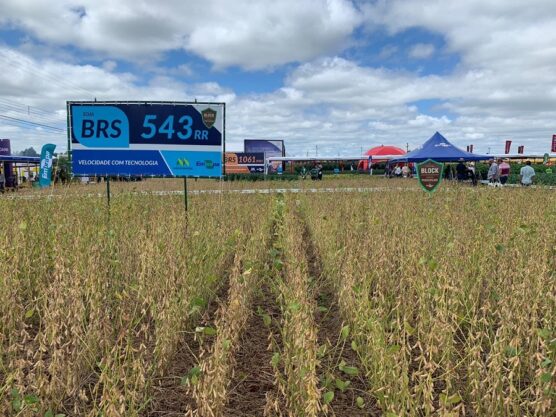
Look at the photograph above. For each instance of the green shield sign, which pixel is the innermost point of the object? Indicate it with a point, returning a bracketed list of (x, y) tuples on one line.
[(429, 174)]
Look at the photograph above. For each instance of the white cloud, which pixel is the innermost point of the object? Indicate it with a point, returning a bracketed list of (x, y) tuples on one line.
[(245, 33), (421, 50), (503, 86)]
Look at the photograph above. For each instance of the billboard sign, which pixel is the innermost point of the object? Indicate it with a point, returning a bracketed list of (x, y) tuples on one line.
[(429, 174), (146, 138), (269, 147), (244, 162), (5, 147)]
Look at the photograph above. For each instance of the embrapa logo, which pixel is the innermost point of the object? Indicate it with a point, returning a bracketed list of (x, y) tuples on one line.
[(207, 163)]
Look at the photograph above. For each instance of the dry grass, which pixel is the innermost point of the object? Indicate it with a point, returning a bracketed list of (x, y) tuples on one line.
[(448, 300)]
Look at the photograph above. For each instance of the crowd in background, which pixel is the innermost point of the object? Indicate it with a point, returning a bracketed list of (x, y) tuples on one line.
[(498, 172)]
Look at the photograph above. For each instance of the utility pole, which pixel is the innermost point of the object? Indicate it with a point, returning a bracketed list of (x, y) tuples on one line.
[(407, 147), (316, 150)]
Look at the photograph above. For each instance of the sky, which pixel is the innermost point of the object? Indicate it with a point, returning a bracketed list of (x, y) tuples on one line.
[(332, 77)]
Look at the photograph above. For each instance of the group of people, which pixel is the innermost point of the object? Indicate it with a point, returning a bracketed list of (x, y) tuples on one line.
[(466, 171), (499, 172), (399, 171)]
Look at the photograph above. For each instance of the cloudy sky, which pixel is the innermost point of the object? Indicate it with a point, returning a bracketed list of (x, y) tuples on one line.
[(339, 75)]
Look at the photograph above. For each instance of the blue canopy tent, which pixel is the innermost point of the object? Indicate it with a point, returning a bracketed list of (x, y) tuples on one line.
[(439, 149)]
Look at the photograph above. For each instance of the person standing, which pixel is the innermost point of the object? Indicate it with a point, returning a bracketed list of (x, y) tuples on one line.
[(504, 169), (2, 181), (405, 171), (493, 172), (471, 172), (526, 174), (461, 171)]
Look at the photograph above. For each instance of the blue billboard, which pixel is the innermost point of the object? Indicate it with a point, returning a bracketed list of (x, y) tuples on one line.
[(146, 138), (269, 148)]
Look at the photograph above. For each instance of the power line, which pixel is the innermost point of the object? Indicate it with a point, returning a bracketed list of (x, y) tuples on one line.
[(26, 107), (15, 119), (14, 112)]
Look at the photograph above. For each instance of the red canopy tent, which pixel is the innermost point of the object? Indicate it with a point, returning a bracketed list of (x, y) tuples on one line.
[(376, 152)]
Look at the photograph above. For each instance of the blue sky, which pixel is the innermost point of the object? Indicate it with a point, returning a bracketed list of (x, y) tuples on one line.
[(338, 74)]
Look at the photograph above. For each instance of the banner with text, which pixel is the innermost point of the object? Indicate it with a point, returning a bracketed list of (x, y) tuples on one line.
[(45, 172), (553, 149), (244, 162), (269, 147), (508, 146), (147, 138)]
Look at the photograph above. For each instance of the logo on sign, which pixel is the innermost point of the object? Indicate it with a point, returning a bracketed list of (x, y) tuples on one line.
[(209, 117), (100, 126), (429, 174), (182, 162), (207, 163)]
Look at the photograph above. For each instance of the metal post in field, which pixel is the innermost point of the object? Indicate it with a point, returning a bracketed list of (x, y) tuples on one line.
[(185, 193)]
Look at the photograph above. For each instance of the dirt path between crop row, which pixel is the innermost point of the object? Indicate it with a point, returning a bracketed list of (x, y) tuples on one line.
[(253, 374), (329, 322), (253, 384), (170, 398)]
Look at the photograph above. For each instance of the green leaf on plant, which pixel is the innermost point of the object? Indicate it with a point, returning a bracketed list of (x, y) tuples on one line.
[(360, 402), (328, 397), (511, 351), (544, 333), (342, 385), (354, 345), (349, 370), (294, 306), (22, 226), (31, 399), (192, 376), (499, 248), (29, 313), (267, 320), (206, 330), (345, 332), (394, 349), (546, 377), (49, 413), (275, 359), (450, 399), (546, 363)]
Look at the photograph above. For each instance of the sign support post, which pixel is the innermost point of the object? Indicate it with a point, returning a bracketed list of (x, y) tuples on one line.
[(108, 190), (185, 192)]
